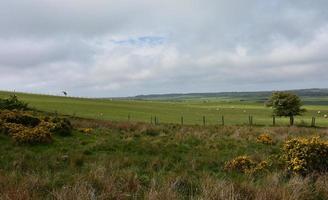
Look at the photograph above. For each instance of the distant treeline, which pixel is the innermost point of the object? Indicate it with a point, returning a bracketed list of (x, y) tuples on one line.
[(259, 96)]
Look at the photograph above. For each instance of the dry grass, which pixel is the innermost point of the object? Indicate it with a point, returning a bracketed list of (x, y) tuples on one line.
[(101, 185)]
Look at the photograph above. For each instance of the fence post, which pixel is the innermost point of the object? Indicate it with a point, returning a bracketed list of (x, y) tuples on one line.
[(204, 121), (274, 120), (155, 120), (250, 120), (129, 117), (313, 122), (222, 120), (181, 120)]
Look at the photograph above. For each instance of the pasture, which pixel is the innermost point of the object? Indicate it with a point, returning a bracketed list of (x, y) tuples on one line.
[(235, 111), (138, 161), (116, 159)]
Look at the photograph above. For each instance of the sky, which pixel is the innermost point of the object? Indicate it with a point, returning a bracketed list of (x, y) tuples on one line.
[(110, 48)]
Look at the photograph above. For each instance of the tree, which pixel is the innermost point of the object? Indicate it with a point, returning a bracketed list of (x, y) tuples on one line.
[(286, 104)]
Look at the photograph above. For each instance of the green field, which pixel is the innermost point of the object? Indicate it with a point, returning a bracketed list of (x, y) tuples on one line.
[(123, 160), (235, 112)]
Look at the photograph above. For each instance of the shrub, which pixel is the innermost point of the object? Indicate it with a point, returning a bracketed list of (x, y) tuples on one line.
[(62, 126), (36, 135), (19, 117), (13, 103), (86, 130), (1, 126), (240, 164), (259, 168), (150, 131), (306, 156), (11, 128), (246, 165), (265, 139)]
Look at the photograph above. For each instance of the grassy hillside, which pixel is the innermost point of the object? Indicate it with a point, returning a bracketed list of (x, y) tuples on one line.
[(234, 111), (101, 159)]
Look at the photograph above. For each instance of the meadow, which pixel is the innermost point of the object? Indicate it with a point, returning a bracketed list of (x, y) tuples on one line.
[(141, 161), (235, 112), (108, 157)]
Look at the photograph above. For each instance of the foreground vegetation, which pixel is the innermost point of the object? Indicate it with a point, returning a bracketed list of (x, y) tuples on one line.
[(106, 160), (46, 156)]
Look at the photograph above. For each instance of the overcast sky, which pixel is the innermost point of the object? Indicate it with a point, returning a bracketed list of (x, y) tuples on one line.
[(106, 48)]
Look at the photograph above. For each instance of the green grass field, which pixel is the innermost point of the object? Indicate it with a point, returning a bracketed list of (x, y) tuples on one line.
[(139, 161), (234, 111), (123, 160)]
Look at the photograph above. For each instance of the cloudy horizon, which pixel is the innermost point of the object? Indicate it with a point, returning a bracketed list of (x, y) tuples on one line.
[(105, 48)]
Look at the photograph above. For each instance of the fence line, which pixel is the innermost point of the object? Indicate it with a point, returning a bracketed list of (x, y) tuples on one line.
[(221, 121)]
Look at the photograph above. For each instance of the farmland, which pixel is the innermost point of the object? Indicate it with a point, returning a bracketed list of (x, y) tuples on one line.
[(235, 111), (107, 157)]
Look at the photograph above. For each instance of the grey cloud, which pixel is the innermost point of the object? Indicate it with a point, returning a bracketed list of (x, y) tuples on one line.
[(24, 53), (111, 48)]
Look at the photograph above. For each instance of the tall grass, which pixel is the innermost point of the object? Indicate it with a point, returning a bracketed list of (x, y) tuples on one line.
[(141, 161)]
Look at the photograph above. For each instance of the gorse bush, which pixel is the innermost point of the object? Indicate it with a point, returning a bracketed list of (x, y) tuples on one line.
[(86, 130), (19, 117), (265, 139), (28, 129), (13, 103), (240, 164), (36, 135), (246, 165), (11, 128), (305, 156), (62, 126)]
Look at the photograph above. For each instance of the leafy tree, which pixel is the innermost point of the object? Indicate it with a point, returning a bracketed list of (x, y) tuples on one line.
[(286, 104)]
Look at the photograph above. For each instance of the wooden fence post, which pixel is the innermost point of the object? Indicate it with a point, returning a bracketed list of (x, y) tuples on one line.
[(222, 120), (181, 120), (250, 120), (204, 121), (313, 122), (274, 120)]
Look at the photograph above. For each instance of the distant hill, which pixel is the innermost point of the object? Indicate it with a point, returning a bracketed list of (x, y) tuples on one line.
[(247, 96)]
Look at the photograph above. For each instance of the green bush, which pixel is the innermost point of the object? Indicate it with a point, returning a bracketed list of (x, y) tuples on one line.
[(13, 103), (151, 131), (306, 156)]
